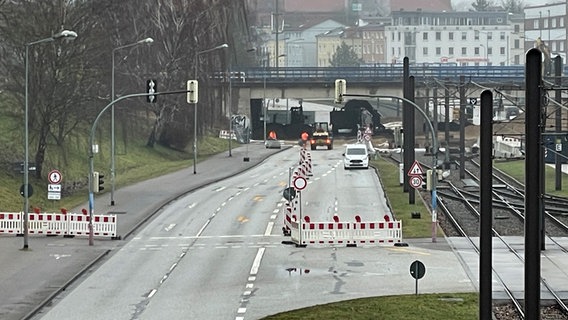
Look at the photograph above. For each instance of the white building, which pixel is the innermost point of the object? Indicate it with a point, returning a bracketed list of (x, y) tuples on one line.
[(547, 22), (465, 38)]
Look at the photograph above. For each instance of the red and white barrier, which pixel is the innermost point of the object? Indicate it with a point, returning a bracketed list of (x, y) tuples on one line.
[(343, 233), (47, 223), (71, 224), (11, 223)]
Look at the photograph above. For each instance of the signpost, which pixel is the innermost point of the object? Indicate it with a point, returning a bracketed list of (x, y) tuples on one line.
[(54, 187), (417, 271)]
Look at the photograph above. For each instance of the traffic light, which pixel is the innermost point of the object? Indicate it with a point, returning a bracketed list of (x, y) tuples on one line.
[(98, 181), (151, 87), (340, 90), (192, 88)]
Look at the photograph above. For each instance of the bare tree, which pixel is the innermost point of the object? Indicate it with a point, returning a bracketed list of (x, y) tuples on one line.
[(60, 77)]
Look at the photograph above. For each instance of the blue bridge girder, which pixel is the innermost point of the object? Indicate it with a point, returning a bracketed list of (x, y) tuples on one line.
[(380, 74)]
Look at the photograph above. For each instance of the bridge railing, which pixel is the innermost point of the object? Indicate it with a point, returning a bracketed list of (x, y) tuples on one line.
[(384, 73)]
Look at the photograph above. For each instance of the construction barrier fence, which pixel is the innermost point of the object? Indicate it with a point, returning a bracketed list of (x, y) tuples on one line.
[(70, 224), (344, 233)]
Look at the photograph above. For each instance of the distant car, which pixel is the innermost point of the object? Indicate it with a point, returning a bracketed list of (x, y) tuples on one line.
[(273, 144), (356, 156)]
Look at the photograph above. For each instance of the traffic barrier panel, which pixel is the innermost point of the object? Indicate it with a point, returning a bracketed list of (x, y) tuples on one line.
[(348, 233), (103, 225), (11, 223), (47, 223)]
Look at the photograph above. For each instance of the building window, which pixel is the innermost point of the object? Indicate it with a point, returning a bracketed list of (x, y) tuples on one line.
[(502, 50), (535, 24), (438, 51), (517, 44), (489, 51), (451, 36), (517, 28), (545, 24), (489, 35), (553, 22), (425, 51), (438, 36), (476, 36), (502, 35), (476, 51), (464, 51), (451, 51), (464, 35), (425, 36)]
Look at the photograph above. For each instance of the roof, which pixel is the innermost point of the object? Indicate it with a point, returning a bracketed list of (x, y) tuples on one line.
[(314, 5), (415, 5)]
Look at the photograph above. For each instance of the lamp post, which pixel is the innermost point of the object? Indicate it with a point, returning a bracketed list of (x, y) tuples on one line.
[(112, 138), (197, 53), (71, 35), (264, 104)]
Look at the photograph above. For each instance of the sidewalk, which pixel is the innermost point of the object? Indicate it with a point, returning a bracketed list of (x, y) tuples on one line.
[(29, 278)]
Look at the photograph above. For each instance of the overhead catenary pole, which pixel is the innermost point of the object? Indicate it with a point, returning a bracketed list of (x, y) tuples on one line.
[(486, 207), (533, 196)]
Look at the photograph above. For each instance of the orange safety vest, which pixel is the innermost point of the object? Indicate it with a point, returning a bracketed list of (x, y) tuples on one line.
[(304, 136)]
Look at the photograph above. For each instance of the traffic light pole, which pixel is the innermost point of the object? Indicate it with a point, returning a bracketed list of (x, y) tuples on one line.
[(92, 152)]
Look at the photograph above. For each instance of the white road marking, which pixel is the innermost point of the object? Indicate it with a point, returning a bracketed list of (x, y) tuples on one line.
[(192, 205), (170, 227), (269, 228), (256, 263), (152, 293)]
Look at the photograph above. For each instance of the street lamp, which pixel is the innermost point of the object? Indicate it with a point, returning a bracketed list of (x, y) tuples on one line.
[(264, 104), (112, 139), (197, 53), (71, 35)]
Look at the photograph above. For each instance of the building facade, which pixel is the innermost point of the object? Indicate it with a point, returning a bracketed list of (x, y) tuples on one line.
[(463, 38)]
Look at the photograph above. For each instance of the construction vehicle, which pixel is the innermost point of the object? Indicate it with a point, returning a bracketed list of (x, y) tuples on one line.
[(356, 114), (321, 136)]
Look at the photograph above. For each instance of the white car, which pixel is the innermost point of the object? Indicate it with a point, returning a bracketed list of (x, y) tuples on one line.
[(356, 156)]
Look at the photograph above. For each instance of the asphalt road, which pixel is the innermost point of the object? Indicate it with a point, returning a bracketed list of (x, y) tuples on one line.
[(28, 279), (217, 253)]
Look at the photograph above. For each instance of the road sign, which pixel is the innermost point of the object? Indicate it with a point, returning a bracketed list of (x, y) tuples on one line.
[(300, 183), (472, 101), (415, 169), (415, 181), (367, 137), (417, 269), (54, 177), (54, 196), (54, 188)]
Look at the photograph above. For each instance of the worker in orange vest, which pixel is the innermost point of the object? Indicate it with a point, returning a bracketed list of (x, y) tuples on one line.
[(304, 139), (272, 135)]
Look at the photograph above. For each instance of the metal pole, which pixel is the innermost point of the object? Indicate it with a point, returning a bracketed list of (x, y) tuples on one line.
[(197, 53), (63, 34), (27, 153), (264, 107), (112, 135), (230, 111), (486, 206), (533, 196)]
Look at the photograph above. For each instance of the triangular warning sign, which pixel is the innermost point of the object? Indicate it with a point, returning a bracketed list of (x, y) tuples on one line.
[(415, 169)]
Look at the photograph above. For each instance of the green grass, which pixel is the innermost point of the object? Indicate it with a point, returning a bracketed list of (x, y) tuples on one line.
[(411, 228), (455, 306), (516, 169)]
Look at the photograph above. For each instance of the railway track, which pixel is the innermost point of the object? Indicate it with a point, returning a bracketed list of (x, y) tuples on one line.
[(458, 204)]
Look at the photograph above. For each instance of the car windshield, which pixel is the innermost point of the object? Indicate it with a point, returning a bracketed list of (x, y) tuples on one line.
[(356, 151)]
